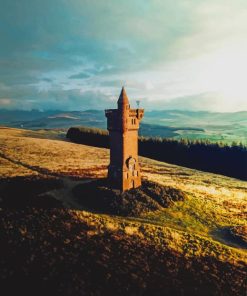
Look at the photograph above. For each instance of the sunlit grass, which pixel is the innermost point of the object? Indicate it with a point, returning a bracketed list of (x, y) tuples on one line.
[(212, 201)]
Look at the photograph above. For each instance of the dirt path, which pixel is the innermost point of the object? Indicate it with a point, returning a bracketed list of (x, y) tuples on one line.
[(65, 194), (224, 236)]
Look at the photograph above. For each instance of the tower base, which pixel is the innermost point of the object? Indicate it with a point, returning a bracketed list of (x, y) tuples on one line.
[(123, 179)]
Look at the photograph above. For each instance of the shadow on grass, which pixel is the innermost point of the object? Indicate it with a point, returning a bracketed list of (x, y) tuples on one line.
[(88, 194), (22, 192)]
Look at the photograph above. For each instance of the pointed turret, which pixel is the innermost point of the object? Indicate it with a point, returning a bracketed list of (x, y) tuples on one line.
[(123, 99)]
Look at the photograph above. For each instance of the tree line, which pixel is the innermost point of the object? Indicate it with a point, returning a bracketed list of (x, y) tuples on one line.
[(219, 158)]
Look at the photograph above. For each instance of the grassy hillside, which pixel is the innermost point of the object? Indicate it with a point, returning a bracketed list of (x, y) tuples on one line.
[(51, 244)]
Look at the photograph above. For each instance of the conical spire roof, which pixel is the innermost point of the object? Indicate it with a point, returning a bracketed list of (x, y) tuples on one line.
[(123, 98)]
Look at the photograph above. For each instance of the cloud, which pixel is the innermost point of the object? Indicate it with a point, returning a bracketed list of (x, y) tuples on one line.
[(79, 76), (5, 102), (204, 101), (199, 102), (47, 79), (56, 99), (54, 47)]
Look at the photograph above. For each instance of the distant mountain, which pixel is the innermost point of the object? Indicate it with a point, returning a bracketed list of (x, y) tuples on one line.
[(10, 116), (196, 117), (225, 127)]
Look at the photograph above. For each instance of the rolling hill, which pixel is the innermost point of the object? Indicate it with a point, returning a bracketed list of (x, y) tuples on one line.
[(225, 127), (52, 243)]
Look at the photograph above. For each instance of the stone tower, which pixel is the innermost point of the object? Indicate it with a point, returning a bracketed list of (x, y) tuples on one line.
[(123, 125)]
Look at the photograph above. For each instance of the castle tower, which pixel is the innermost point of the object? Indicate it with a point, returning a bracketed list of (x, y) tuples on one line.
[(123, 125)]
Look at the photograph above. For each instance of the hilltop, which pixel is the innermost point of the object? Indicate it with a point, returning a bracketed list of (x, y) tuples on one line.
[(52, 243)]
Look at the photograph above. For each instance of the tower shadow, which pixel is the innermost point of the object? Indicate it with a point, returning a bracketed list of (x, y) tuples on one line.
[(93, 195)]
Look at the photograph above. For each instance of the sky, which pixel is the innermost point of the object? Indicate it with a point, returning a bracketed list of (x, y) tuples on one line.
[(169, 54)]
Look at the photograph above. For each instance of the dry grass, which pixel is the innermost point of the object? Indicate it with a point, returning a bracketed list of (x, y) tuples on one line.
[(191, 228), (67, 252), (51, 156), (213, 200)]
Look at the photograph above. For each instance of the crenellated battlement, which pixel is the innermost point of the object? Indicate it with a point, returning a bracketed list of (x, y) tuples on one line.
[(132, 118)]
